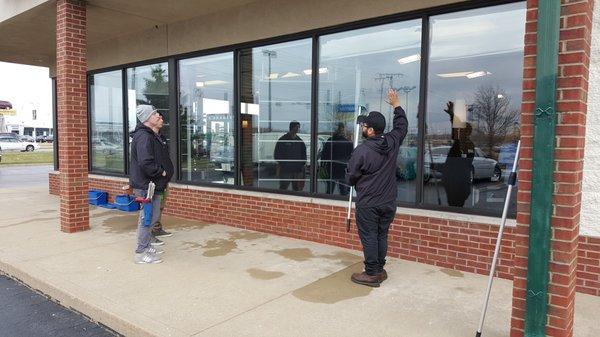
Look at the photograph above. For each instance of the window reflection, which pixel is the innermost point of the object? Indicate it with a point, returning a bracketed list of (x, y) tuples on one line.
[(106, 124), (275, 115), (473, 106), (356, 70), (149, 85), (207, 129)]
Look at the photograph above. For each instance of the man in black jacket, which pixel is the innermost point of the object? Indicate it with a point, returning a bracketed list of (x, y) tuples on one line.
[(371, 170), (150, 161), (290, 154)]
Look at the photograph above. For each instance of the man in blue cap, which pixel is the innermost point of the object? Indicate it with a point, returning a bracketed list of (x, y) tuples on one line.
[(372, 171)]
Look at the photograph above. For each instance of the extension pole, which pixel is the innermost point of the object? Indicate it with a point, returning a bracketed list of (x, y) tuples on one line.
[(348, 219), (511, 182)]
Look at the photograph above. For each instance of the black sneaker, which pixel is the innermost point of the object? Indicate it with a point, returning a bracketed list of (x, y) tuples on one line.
[(161, 232)]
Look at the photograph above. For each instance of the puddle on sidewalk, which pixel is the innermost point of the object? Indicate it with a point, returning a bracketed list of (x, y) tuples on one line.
[(345, 258), (295, 254), (452, 272), (334, 288), (28, 221), (221, 247), (120, 224), (305, 254), (264, 274)]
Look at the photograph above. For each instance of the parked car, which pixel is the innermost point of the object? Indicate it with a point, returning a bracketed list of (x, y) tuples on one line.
[(9, 134), (49, 138), (14, 144), (26, 138), (39, 138), (483, 166)]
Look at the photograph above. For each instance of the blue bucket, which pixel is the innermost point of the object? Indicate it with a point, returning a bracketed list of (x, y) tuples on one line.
[(126, 203), (97, 197)]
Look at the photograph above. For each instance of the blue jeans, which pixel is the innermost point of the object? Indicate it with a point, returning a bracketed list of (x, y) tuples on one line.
[(144, 234)]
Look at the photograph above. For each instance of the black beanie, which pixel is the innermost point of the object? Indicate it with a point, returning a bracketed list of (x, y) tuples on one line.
[(376, 121)]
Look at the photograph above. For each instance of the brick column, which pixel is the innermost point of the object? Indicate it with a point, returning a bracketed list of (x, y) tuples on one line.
[(71, 90), (571, 94)]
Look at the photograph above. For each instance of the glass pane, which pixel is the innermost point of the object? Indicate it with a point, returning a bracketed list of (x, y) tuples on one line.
[(275, 115), (149, 85), (207, 146), (356, 69), (473, 106), (106, 104)]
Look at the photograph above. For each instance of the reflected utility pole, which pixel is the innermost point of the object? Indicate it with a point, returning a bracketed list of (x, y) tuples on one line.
[(270, 54), (406, 89)]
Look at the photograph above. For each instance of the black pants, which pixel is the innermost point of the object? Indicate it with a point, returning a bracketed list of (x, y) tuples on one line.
[(373, 226)]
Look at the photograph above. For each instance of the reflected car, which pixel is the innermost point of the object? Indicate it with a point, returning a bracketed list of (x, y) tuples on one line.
[(27, 138), (104, 146), (483, 166), (14, 144)]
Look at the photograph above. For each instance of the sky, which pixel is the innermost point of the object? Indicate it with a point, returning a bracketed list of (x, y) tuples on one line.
[(27, 88)]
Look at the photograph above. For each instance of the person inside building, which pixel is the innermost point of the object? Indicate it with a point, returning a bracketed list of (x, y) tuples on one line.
[(290, 155), (372, 171), (457, 170), (150, 162), (334, 158)]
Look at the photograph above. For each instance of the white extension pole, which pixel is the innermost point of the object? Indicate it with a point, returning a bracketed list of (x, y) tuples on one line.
[(511, 182), (348, 220)]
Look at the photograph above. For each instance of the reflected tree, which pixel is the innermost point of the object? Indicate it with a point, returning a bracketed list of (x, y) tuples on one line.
[(495, 116)]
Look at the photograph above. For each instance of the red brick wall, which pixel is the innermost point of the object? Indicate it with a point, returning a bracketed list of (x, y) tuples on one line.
[(574, 51), (54, 183), (588, 266), (71, 92)]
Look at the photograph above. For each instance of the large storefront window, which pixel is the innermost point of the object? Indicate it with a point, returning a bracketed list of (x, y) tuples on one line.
[(207, 146), (148, 85), (356, 69), (473, 106), (106, 122), (275, 94)]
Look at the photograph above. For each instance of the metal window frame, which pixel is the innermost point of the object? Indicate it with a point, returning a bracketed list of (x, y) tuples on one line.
[(314, 34)]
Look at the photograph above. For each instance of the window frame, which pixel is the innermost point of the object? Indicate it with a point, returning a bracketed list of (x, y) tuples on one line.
[(313, 34)]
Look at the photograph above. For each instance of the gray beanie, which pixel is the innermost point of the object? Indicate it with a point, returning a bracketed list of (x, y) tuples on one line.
[(144, 112)]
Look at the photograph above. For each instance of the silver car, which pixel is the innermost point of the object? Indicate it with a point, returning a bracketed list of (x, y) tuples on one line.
[(483, 166)]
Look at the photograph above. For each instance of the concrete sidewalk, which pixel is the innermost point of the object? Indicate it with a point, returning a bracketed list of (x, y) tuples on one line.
[(222, 281)]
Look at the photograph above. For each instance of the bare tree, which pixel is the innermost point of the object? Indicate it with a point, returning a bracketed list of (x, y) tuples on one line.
[(494, 114)]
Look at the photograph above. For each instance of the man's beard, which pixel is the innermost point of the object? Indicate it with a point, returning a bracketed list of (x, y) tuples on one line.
[(365, 134)]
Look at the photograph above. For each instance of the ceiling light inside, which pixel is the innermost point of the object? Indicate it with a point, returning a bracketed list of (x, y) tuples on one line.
[(273, 76), (458, 74), (478, 74), (321, 71), (290, 74), (409, 59), (199, 84)]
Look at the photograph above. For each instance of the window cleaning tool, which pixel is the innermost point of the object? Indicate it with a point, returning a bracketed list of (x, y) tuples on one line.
[(356, 134), (147, 204), (511, 182)]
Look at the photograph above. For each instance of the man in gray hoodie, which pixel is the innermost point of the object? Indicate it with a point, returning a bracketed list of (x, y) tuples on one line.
[(371, 170)]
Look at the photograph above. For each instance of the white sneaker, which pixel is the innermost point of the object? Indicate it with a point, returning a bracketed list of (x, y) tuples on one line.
[(155, 251), (146, 257)]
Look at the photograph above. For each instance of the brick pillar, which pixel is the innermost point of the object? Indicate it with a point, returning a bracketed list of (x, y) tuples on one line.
[(572, 86), (71, 90)]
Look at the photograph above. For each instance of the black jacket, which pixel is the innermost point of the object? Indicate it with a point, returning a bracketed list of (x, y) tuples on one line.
[(372, 167), (335, 154), (290, 153), (149, 158)]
